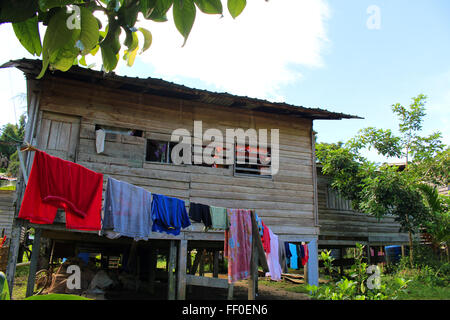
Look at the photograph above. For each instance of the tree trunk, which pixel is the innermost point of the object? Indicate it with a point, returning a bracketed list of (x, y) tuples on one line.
[(410, 249)]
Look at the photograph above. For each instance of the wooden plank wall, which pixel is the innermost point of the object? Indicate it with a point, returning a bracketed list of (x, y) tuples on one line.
[(286, 202), (7, 199), (340, 225)]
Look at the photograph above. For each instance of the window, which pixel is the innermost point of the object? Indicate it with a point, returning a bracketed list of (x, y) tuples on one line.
[(254, 161), (159, 151)]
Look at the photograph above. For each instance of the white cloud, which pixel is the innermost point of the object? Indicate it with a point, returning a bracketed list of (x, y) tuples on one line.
[(252, 55)]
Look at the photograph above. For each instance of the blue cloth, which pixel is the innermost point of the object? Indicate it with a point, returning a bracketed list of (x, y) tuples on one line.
[(288, 251), (127, 210), (294, 261), (302, 252), (169, 214)]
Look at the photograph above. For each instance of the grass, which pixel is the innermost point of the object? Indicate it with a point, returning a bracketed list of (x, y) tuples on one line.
[(8, 188), (285, 285), (421, 290), (20, 282)]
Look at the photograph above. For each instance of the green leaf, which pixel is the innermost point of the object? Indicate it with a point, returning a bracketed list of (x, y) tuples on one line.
[(89, 34), (59, 43), (131, 40), (110, 47), (128, 13), (82, 61), (235, 7), (210, 6), (48, 4), (147, 39), (184, 16), (17, 11), (147, 7), (28, 34), (160, 9), (131, 55)]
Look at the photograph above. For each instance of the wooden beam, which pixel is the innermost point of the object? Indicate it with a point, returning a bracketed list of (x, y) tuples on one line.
[(170, 271), (34, 262), (206, 282), (230, 291), (181, 270)]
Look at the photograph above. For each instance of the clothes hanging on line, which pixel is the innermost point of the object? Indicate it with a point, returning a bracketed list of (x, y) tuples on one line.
[(294, 257), (169, 214), (56, 183), (287, 250), (260, 226), (305, 254), (283, 260), (100, 136), (265, 238), (238, 244), (127, 210), (219, 218), (200, 213), (273, 259)]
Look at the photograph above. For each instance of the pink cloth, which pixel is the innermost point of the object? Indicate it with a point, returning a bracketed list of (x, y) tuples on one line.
[(238, 244), (273, 259)]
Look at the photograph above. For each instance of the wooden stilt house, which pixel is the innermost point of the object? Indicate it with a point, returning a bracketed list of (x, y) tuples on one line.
[(65, 109)]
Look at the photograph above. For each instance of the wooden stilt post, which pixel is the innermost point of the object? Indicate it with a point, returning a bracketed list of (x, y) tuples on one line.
[(171, 267), (369, 258), (230, 291), (216, 264), (252, 281), (34, 262), (403, 250), (313, 263), (202, 263), (152, 271), (181, 270), (197, 259), (13, 254)]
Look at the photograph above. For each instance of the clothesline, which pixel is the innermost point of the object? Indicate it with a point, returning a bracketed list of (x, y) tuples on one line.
[(135, 212)]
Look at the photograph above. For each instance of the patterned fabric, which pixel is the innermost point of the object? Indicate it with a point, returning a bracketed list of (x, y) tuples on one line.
[(238, 244)]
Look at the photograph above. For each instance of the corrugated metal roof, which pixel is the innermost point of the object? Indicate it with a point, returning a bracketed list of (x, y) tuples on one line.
[(169, 89)]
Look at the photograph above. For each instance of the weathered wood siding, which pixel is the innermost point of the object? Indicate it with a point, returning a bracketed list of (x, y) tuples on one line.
[(340, 225), (286, 202), (7, 199)]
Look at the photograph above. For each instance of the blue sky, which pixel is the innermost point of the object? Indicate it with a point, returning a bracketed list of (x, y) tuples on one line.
[(313, 53)]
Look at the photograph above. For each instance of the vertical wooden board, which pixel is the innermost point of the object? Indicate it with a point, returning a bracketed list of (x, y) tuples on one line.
[(171, 266), (34, 262), (64, 136), (44, 134), (181, 270), (53, 138)]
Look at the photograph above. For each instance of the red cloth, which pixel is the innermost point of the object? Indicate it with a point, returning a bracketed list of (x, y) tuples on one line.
[(265, 238), (56, 183), (306, 256)]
